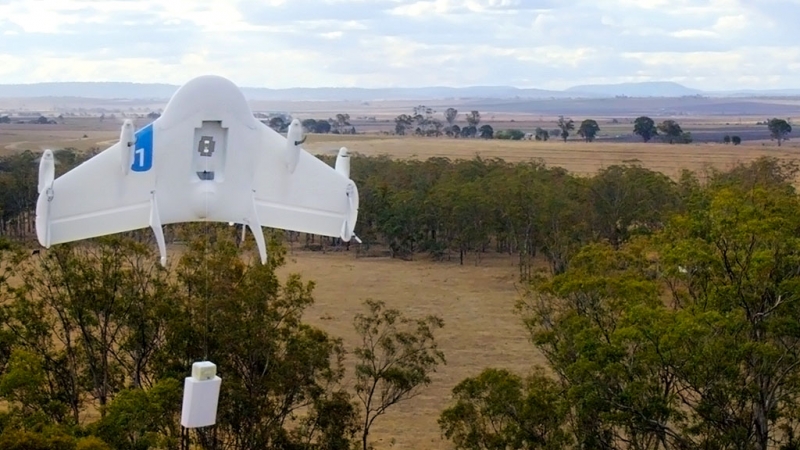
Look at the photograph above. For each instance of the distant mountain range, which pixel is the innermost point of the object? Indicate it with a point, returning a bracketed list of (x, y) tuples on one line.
[(158, 91)]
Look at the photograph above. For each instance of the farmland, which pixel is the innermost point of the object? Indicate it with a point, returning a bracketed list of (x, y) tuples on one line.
[(615, 144)]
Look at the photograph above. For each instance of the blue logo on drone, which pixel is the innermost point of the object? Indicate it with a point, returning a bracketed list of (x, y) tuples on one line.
[(143, 153)]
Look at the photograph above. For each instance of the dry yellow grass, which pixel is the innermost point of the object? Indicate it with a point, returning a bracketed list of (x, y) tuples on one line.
[(477, 304), (15, 138), (576, 156)]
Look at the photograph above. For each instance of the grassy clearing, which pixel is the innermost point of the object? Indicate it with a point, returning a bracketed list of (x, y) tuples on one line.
[(477, 304)]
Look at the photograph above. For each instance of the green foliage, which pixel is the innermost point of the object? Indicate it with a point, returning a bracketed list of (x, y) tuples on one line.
[(588, 129), (684, 337), (645, 127), (402, 123), (473, 118), (671, 132), (778, 129), (565, 125), (143, 419), (103, 325), (394, 360), (27, 440), (628, 200), (512, 134), (541, 134), (91, 443), (93, 316), (23, 386), (499, 410)]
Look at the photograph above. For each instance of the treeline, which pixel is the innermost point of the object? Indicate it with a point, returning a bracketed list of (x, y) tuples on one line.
[(687, 338), (334, 125), (450, 210), (463, 209), (424, 122)]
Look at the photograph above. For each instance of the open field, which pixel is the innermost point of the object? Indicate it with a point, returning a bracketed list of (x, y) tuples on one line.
[(477, 304), (575, 155), (578, 157), (79, 134)]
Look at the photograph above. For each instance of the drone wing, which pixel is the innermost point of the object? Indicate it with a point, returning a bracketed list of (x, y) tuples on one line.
[(100, 196), (313, 199)]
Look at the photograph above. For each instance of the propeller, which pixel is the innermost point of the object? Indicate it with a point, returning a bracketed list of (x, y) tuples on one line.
[(352, 206)]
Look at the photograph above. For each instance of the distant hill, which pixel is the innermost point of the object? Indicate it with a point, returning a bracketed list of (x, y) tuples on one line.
[(643, 89), (148, 91), (162, 92)]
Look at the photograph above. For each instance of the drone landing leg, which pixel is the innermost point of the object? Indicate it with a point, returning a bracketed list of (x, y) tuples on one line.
[(258, 232), (155, 224)]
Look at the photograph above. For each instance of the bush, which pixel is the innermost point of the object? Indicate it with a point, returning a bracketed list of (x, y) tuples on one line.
[(512, 134)]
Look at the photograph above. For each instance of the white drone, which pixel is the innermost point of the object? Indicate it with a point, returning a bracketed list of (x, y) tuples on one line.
[(206, 159)]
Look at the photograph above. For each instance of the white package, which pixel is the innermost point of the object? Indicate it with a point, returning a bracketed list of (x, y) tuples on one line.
[(200, 398)]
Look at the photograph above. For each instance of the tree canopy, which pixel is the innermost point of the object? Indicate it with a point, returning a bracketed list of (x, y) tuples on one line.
[(645, 127), (588, 129), (778, 129)]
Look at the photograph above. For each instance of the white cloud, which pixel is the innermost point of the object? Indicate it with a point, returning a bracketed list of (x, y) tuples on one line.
[(712, 44)]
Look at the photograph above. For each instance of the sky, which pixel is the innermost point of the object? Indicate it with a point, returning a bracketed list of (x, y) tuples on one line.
[(548, 44)]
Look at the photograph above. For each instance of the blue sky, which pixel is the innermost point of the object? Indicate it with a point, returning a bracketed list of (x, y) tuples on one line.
[(707, 44)]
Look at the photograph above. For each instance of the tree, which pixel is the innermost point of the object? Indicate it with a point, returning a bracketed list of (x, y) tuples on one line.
[(726, 139), (93, 316), (486, 131), (778, 129), (140, 419), (450, 115), (402, 123), (671, 131), (394, 360), (321, 126), (512, 134), (310, 125), (469, 131), (240, 315), (629, 199), (588, 129), (736, 140), (565, 125), (500, 410), (278, 123), (541, 134), (340, 123), (473, 118), (645, 127)]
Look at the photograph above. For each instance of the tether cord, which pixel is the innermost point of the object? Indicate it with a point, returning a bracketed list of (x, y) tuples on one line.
[(205, 260)]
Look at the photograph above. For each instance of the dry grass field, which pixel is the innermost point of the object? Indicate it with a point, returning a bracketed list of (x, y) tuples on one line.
[(576, 156), (477, 304), (81, 135)]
